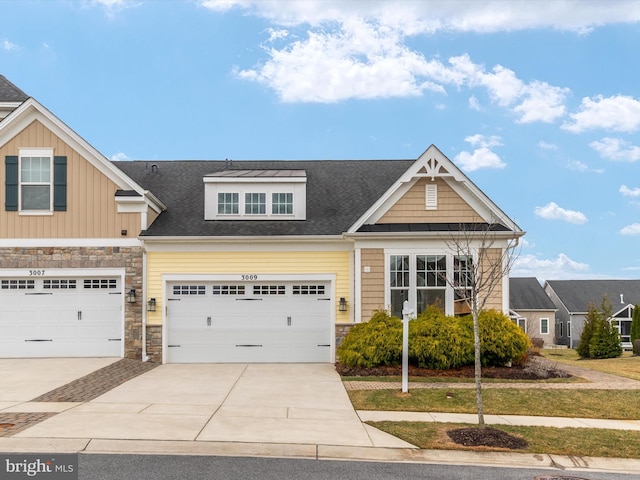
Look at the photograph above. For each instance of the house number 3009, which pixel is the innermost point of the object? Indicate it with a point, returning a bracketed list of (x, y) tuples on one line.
[(33, 273), (249, 277)]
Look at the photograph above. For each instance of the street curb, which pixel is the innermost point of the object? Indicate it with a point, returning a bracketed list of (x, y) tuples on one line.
[(319, 452)]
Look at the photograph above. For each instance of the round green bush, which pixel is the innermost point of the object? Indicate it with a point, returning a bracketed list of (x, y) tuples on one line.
[(439, 342), (373, 343)]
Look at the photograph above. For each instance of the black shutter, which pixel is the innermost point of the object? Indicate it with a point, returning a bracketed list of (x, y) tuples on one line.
[(60, 184), (11, 183)]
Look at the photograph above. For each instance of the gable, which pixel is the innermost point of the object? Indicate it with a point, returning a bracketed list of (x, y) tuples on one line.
[(433, 191), (90, 208), (411, 207)]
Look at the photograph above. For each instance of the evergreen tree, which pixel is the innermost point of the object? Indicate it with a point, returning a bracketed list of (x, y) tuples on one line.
[(590, 320), (635, 323), (605, 341)]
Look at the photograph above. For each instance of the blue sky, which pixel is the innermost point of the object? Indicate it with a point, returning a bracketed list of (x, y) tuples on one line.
[(538, 102)]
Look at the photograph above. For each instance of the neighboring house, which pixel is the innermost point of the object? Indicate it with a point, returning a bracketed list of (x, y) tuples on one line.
[(573, 297), (252, 261), (532, 309), (71, 276)]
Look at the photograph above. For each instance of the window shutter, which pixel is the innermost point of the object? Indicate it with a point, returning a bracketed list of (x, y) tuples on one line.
[(431, 197), (11, 183), (60, 184)]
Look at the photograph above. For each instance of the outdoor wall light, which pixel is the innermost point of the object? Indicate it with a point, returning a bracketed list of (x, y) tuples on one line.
[(342, 306), (131, 296), (151, 305)]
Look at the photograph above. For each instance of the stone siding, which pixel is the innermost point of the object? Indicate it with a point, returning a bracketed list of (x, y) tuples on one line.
[(154, 343)]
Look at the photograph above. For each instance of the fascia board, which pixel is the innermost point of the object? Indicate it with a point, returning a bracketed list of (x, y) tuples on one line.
[(31, 110), (505, 236), (247, 239), (243, 180)]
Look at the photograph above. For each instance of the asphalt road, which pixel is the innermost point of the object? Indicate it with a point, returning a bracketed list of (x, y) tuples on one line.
[(148, 467)]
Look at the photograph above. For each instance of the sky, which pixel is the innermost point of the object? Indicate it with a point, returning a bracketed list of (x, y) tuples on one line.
[(537, 102)]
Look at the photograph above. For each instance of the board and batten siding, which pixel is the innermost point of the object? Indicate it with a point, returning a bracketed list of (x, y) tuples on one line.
[(372, 290), (223, 263), (411, 207), (91, 207)]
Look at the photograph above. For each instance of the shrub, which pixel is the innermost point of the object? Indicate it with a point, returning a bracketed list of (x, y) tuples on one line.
[(501, 340), (636, 347), (635, 324), (373, 343), (602, 340), (439, 342), (590, 321)]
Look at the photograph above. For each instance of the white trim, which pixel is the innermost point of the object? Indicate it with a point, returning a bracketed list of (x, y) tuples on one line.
[(431, 196), (548, 326), (357, 287), (258, 180), (69, 242), (247, 244)]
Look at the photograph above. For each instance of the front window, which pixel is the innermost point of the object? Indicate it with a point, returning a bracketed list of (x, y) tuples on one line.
[(399, 283), (35, 182), (544, 326), (462, 281), (255, 203), (228, 203), (431, 281), (282, 203)]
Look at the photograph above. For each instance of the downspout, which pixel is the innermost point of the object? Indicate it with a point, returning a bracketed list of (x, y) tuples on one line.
[(145, 358)]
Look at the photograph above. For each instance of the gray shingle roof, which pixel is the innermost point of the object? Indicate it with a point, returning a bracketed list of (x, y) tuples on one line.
[(576, 295), (526, 293), (338, 193), (9, 92)]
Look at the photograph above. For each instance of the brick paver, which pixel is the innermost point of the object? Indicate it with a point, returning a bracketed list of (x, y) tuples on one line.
[(12, 423), (97, 383)]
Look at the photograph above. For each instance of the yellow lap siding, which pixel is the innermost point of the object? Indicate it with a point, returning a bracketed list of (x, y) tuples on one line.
[(159, 263)]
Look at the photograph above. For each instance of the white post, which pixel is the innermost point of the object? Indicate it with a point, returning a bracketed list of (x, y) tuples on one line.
[(406, 313)]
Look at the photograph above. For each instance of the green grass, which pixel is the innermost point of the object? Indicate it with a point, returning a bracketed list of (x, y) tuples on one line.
[(585, 442), (608, 404), (397, 379), (627, 365)]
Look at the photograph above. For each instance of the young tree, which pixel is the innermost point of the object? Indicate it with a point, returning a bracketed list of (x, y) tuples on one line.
[(605, 342), (591, 319), (483, 257)]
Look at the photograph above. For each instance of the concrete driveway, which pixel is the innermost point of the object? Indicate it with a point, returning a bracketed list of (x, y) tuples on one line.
[(23, 379), (263, 403)]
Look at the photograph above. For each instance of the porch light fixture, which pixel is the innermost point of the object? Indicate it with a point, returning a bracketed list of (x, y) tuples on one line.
[(131, 296), (342, 306), (151, 305)]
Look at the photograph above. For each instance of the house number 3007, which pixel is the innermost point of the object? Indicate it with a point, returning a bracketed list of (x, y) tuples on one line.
[(249, 277), (36, 273)]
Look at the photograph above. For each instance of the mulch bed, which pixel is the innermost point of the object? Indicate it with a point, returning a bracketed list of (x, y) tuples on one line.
[(529, 371), (486, 437)]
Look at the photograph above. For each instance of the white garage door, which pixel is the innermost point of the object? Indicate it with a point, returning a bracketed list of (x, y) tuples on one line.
[(266, 322), (60, 317)]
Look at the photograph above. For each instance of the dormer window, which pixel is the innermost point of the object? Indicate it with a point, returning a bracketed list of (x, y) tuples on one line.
[(256, 195)]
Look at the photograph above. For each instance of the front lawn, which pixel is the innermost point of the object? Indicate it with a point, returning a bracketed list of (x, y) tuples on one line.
[(627, 365), (585, 442), (608, 404)]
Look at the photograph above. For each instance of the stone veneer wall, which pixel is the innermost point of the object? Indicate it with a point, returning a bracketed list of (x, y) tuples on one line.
[(129, 258), (341, 331), (154, 343)]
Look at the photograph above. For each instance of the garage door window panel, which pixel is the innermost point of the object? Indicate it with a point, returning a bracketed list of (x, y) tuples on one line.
[(189, 290), (228, 290), (59, 284), (17, 284), (269, 290)]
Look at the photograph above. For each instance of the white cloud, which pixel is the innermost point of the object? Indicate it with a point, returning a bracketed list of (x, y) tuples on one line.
[(629, 192), (9, 46), (551, 211), (616, 149), (578, 166), (547, 146), (479, 140), (111, 7), (344, 50), (431, 16), (120, 156), (474, 104), (479, 158), (618, 113), (559, 268), (633, 229)]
